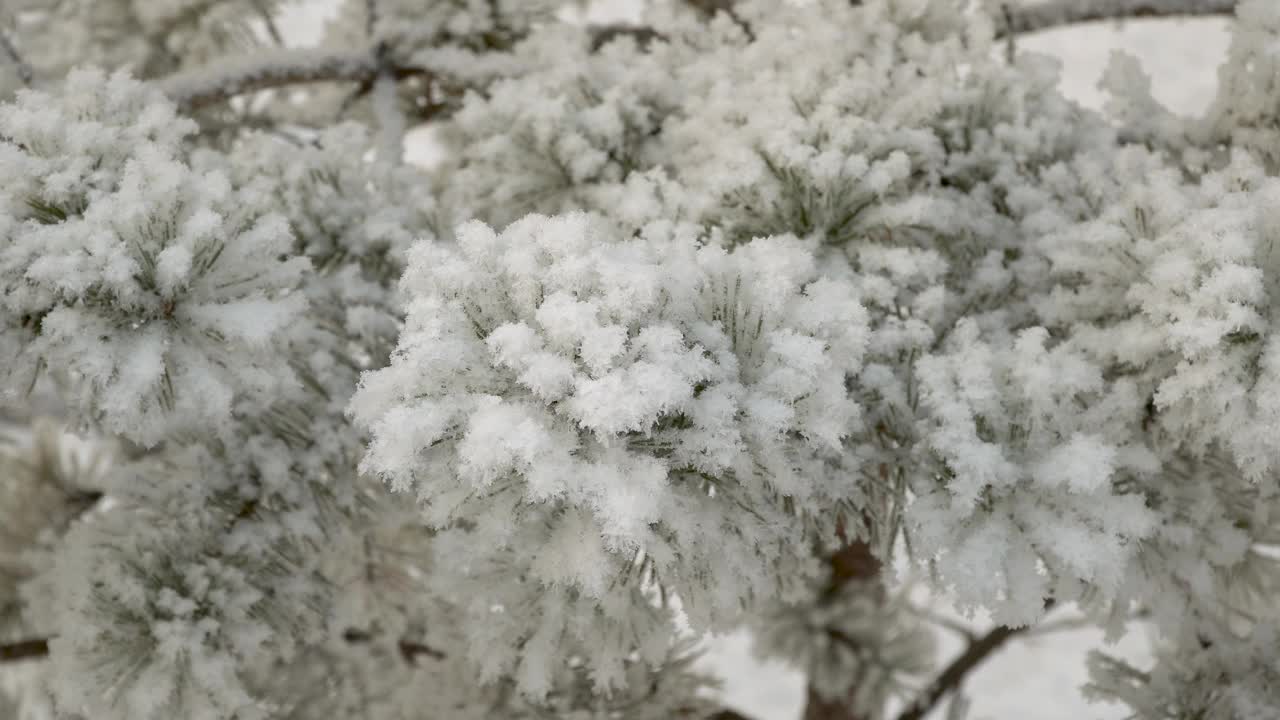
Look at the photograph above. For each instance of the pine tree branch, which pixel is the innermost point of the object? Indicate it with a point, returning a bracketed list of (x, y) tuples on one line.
[(1018, 17), (1047, 14), (24, 650), (951, 677), (603, 34), (198, 88), (955, 673), (38, 648)]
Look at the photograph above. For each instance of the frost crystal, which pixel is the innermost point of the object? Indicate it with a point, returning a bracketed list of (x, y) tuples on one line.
[(756, 314), (606, 401), (128, 272)]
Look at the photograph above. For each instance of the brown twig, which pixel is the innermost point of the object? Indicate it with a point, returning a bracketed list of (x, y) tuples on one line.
[(409, 650), (955, 673), (602, 35), (952, 676), (32, 649)]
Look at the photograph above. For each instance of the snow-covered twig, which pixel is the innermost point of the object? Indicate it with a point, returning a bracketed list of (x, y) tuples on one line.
[(24, 70), (1077, 622), (204, 86), (603, 34), (1015, 18), (1054, 13)]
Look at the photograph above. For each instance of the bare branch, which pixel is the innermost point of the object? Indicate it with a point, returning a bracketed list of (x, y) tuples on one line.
[(24, 650), (1016, 17), (279, 68), (409, 650), (954, 674), (601, 35), (1056, 13)]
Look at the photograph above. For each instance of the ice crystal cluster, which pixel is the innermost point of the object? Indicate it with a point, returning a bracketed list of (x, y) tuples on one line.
[(756, 315), (602, 403), (131, 273)]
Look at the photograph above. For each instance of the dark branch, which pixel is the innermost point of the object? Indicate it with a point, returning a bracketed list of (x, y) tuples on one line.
[(955, 673), (602, 35), (1022, 18), (1016, 17), (409, 650), (208, 85), (24, 650)]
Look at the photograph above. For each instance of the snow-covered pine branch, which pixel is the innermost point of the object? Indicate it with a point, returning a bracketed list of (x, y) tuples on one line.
[(1028, 16), (192, 89), (683, 331)]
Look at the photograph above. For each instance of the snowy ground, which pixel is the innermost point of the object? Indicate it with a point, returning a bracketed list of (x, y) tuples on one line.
[(1033, 677)]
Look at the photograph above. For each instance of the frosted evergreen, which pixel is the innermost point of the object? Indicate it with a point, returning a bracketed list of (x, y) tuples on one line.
[(756, 315)]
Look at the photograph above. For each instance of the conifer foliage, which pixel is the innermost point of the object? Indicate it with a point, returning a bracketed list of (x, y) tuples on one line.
[(753, 316)]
